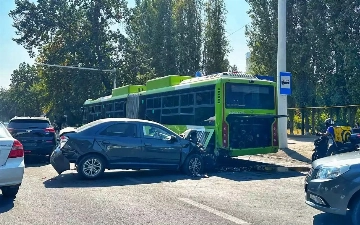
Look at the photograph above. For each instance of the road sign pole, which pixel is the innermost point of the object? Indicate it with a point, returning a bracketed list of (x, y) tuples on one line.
[(281, 67)]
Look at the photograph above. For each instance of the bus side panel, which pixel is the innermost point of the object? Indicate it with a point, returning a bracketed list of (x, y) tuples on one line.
[(219, 115)]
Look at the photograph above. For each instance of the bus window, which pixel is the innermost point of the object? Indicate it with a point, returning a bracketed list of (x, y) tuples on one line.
[(150, 103), (203, 98), (187, 100), (187, 110), (202, 114), (170, 101), (110, 107), (157, 103), (119, 106), (249, 96), (170, 111), (185, 119), (153, 115)]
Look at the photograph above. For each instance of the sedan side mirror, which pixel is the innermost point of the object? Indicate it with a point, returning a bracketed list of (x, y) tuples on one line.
[(173, 139)]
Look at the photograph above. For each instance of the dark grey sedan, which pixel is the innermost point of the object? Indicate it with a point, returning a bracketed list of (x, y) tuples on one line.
[(121, 143), (333, 185)]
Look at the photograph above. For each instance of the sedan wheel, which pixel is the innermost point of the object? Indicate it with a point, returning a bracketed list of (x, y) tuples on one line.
[(193, 165), (91, 167)]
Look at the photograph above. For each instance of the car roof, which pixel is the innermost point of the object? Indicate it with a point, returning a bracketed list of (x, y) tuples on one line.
[(29, 118), (127, 120)]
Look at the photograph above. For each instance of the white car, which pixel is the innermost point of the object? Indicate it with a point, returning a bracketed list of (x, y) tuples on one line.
[(11, 163)]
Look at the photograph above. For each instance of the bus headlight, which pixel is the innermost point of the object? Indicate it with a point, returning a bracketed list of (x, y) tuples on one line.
[(331, 172)]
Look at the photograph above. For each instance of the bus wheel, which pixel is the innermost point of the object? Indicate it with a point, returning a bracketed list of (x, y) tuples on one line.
[(193, 165)]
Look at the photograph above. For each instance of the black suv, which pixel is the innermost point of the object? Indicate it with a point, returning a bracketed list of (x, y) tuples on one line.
[(35, 133)]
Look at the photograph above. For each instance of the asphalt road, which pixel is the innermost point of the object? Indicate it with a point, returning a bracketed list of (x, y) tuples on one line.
[(158, 197)]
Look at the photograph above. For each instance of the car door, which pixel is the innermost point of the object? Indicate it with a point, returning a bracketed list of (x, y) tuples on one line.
[(121, 143), (158, 149)]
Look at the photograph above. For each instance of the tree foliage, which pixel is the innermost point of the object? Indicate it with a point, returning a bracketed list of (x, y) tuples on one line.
[(154, 38), (322, 49)]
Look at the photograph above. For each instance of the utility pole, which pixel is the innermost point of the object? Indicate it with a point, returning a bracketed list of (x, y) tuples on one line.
[(281, 67)]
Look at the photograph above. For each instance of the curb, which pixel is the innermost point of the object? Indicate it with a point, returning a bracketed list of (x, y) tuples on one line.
[(280, 169), (301, 136)]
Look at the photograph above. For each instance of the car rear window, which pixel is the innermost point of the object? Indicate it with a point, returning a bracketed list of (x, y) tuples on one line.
[(88, 125), (28, 123)]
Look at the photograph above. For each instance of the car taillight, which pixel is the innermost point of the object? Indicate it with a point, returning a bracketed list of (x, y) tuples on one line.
[(50, 130), (275, 134), (63, 140), (17, 150), (225, 132)]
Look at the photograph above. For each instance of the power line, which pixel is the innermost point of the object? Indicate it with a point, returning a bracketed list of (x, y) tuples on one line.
[(75, 67), (236, 30), (80, 68)]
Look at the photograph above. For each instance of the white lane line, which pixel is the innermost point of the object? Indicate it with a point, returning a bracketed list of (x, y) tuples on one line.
[(214, 211), (133, 180)]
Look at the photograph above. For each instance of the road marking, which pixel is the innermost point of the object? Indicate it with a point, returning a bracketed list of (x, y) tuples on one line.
[(214, 211), (133, 180)]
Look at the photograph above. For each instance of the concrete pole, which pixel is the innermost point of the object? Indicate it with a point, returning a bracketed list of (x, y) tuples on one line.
[(281, 67), (114, 73)]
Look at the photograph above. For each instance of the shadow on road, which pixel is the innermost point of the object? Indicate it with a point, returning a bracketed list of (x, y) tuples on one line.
[(36, 161), (252, 176), (6, 204), (300, 138), (232, 169), (115, 178), (237, 165), (295, 155), (330, 219)]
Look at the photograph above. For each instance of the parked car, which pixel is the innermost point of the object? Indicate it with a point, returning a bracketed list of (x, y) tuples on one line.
[(11, 163), (35, 133), (333, 185), (121, 143)]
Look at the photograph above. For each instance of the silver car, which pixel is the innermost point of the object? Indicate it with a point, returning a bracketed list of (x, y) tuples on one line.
[(11, 163)]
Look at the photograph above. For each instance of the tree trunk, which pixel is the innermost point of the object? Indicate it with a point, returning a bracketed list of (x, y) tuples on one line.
[(303, 121), (352, 115), (307, 122), (291, 121), (313, 113)]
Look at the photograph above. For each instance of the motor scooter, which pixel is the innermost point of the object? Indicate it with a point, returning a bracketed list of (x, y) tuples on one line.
[(321, 148)]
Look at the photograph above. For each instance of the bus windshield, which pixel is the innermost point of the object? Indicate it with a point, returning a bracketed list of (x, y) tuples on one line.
[(249, 96)]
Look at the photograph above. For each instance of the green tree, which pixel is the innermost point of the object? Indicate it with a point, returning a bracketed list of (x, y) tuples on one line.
[(188, 35), (216, 46)]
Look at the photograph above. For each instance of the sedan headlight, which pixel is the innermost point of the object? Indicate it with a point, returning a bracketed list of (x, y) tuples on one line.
[(331, 172)]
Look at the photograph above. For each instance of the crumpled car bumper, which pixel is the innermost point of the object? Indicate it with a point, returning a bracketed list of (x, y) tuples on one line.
[(59, 162)]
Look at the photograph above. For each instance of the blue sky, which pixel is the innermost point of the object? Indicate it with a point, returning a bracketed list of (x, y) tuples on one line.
[(11, 54)]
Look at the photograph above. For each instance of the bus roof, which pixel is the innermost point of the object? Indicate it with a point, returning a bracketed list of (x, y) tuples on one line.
[(175, 82)]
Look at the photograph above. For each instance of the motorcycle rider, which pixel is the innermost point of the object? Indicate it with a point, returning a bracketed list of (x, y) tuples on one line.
[(330, 132)]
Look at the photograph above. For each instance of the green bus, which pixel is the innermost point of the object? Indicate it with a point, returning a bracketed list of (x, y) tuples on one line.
[(234, 114)]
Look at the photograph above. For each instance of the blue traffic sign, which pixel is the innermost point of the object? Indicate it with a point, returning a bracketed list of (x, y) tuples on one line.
[(285, 83), (198, 74)]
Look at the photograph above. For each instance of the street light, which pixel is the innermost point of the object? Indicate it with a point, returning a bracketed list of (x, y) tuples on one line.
[(281, 67), (81, 68)]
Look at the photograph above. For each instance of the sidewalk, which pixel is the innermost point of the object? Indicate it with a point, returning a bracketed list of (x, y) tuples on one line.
[(296, 157)]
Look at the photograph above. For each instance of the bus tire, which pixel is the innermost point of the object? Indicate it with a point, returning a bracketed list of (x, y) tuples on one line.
[(193, 165)]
